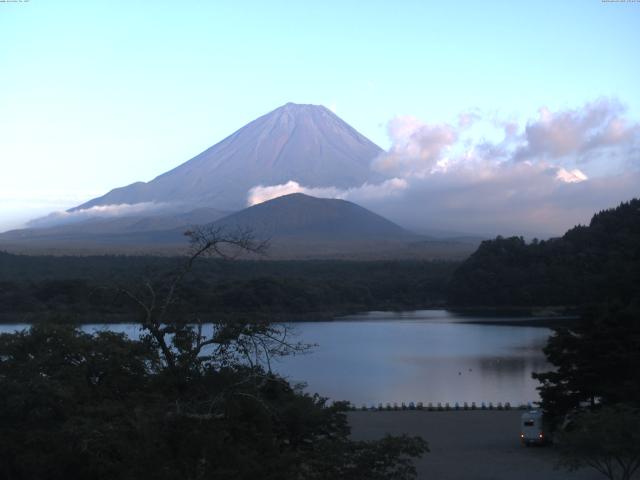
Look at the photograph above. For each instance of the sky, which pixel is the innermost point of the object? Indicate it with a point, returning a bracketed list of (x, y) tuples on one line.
[(96, 95)]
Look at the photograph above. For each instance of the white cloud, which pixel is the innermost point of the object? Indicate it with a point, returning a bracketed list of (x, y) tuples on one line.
[(571, 176), (17, 206), (580, 132), (97, 211), (417, 147), (490, 176), (261, 193), (367, 191), (513, 199)]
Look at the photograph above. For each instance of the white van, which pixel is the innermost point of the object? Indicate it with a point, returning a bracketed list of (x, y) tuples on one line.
[(532, 430)]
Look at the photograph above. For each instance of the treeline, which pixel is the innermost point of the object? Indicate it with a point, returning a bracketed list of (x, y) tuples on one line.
[(87, 288), (588, 264)]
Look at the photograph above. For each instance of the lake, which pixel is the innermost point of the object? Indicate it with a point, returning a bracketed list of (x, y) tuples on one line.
[(420, 356)]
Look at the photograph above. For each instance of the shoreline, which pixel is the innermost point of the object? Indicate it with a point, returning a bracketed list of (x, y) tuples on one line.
[(529, 317), (541, 322)]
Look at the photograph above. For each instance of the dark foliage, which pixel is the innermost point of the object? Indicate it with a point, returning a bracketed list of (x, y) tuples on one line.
[(75, 287), (596, 362), (75, 405), (607, 440), (588, 264)]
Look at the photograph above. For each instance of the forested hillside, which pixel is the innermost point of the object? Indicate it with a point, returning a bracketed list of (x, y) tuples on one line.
[(587, 264), (88, 288)]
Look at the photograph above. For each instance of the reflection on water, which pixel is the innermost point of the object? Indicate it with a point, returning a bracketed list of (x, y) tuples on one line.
[(510, 366), (420, 356), (427, 356)]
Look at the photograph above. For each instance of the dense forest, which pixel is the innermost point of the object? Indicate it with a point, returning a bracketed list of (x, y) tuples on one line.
[(588, 264), (90, 288), (175, 403)]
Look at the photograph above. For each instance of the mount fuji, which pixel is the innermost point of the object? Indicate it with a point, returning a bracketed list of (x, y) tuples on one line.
[(307, 144)]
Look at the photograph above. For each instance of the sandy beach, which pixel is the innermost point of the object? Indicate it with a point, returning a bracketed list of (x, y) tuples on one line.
[(467, 445)]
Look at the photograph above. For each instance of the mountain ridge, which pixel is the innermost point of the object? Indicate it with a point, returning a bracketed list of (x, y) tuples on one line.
[(300, 142)]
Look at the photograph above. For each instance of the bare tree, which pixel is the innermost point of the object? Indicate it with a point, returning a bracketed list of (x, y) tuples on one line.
[(183, 343)]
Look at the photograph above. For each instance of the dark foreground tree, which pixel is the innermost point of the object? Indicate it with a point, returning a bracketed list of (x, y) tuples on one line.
[(607, 439), (187, 400), (596, 362), (592, 396)]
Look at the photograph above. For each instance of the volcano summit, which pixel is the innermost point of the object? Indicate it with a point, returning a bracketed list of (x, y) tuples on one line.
[(308, 144)]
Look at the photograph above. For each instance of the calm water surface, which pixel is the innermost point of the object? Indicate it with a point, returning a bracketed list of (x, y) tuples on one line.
[(421, 356)]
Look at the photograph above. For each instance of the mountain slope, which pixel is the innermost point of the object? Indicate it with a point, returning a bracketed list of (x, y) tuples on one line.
[(118, 226), (305, 143), (304, 217), (297, 226)]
